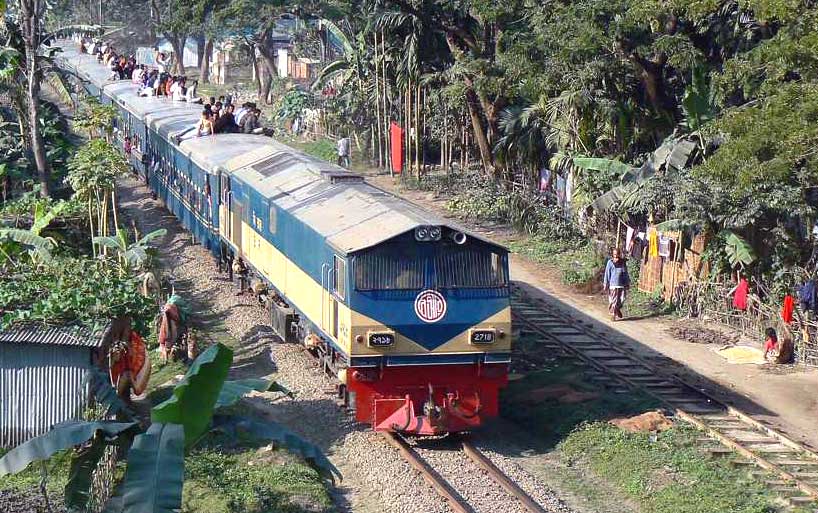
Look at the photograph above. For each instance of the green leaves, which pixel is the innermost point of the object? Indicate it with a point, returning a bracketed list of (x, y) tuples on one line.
[(156, 471), (61, 437), (93, 169), (738, 251), (78, 487), (194, 398), (277, 433), (604, 165), (233, 391)]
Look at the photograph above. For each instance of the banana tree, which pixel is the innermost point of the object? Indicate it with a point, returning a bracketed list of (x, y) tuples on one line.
[(41, 247), (131, 256), (154, 476)]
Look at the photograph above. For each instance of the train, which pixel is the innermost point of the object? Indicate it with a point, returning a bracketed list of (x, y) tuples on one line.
[(410, 312)]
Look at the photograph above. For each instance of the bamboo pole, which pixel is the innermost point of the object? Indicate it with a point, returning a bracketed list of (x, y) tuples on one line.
[(417, 131), (91, 227), (378, 103), (113, 209), (408, 148), (386, 115)]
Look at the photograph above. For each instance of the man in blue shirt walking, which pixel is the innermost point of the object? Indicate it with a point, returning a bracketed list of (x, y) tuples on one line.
[(617, 281)]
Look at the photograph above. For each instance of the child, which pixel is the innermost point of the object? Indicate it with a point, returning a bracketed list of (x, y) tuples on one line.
[(771, 345), (127, 146)]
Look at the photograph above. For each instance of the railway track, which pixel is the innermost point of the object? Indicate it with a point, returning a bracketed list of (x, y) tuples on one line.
[(786, 466), (448, 489)]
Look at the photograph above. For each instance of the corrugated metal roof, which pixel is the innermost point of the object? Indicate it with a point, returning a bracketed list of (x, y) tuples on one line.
[(33, 333)]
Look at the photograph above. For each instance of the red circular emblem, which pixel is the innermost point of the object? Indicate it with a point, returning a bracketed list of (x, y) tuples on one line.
[(430, 306)]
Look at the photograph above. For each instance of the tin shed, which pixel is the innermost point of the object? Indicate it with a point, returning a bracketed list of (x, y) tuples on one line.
[(41, 375)]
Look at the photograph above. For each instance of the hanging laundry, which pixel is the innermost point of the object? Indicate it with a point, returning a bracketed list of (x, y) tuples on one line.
[(664, 246), (653, 243), (740, 296), (807, 296), (787, 309), (629, 240)]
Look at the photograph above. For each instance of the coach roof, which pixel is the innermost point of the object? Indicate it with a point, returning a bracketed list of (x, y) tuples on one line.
[(351, 214)]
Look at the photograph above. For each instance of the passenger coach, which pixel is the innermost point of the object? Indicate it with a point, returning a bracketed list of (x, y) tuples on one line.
[(410, 312)]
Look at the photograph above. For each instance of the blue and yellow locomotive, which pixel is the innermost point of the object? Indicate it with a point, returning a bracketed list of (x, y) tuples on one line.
[(411, 313)]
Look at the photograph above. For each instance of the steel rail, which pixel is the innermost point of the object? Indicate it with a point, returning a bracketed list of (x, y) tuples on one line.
[(673, 391), (501, 478), (430, 475)]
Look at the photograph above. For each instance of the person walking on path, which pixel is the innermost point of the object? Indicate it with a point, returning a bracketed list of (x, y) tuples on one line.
[(617, 281), (343, 151)]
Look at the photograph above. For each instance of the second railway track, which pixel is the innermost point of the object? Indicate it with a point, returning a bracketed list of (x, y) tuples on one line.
[(787, 466), (466, 490)]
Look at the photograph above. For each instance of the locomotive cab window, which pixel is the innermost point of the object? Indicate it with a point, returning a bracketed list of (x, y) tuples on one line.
[(339, 277)]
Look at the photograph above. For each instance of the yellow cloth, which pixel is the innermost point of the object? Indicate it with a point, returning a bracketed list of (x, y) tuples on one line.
[(653, 243), (743, 354)]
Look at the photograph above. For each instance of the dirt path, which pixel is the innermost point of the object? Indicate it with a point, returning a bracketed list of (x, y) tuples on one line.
[(786, 398)]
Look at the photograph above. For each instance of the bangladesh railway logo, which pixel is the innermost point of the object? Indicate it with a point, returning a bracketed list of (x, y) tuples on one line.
[(430, 306)]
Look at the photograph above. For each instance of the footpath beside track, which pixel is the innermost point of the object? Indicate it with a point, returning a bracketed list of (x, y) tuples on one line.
[(786, 466)]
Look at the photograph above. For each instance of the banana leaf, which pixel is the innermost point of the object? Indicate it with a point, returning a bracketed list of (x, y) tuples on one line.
[(268, 430), (194, 398), (100, 385), (61, 437), (156, 471), (233, 391), (41, 246), (78, 487), (599, 164)]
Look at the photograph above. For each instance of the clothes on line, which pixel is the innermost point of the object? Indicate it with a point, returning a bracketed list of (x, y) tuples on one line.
[(740, 295), (787, 309)]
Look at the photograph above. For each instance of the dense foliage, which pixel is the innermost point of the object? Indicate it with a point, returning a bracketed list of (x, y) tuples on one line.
[(72, 290)]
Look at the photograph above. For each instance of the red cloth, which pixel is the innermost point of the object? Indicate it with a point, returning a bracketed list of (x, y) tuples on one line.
[(396, 138), (740, 297), (788, 308)]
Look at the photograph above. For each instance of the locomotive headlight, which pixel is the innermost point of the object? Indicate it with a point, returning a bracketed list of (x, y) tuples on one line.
[(435, 232), (422, 233)]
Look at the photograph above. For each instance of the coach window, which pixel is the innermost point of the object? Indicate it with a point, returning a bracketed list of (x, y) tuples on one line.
[(340, 277), (272, 216)]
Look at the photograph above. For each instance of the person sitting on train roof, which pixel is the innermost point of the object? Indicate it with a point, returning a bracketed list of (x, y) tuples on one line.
[(177, 90), (190, 93), (138, 74), (226, 122), (203, 127), (250, 122), (217, 110), (116, 72)]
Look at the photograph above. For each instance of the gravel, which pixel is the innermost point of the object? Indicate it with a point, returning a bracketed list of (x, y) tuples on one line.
[(376, 478), (28, 501)]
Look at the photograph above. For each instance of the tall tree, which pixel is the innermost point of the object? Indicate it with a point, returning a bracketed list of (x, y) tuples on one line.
[(31, 12)]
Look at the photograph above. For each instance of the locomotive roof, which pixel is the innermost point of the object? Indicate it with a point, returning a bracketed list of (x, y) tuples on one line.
[(350, 213)]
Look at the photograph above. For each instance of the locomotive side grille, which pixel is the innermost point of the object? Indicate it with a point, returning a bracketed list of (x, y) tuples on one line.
[(469, 269), (375, 271)]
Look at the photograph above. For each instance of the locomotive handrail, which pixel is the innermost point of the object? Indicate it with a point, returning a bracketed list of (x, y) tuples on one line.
[(323, 266)]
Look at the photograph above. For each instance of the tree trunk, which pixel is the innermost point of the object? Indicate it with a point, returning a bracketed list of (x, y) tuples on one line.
[(486, 156), (204, 63), (178, 43), (30, 15), (201, 41), (269, 74)]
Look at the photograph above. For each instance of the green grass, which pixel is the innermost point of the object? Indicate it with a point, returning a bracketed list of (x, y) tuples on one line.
[(665, 473), (237, 476), (29, 479), (548, 419)]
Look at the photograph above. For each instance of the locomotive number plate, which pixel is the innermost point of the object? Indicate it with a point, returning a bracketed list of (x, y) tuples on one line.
[(381, 339), (482, 336)]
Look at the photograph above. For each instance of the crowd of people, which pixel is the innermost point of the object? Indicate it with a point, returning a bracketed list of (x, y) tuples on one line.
[(222, 117), (218, 117)]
